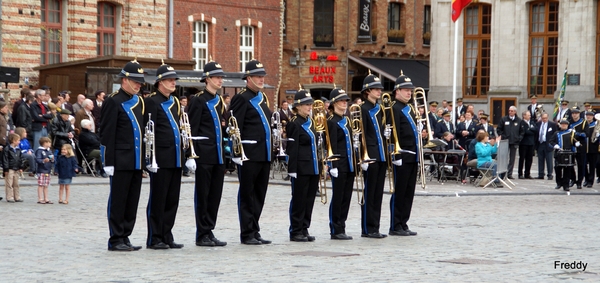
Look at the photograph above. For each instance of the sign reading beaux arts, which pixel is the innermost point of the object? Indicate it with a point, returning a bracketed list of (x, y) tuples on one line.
[(364, 20)]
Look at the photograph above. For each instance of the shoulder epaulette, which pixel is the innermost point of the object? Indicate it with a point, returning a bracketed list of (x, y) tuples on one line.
[(330, 117), (113, 94), (242, 90), (152, 94), (293, 118), (199, 93)]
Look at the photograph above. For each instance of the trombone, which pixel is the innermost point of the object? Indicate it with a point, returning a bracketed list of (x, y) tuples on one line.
[(186, 135), (325, 151), (392, 149), (236, 138), (149, 139), (277, 133), (359, 146)]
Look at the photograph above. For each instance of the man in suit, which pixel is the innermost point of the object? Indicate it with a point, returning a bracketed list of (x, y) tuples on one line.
[(163, 108), (206, 109), (444, 125), (546, 128), (564, 112), (97, 110), (466, 130), (432, 114), (592, 150), (121, 136), (526, 146), (533, 107), (460, 108), (251, 109), (510, 130)]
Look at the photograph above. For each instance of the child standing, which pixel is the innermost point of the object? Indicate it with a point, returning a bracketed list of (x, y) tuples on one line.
[(44, 159), (11, 161), (67, 168)]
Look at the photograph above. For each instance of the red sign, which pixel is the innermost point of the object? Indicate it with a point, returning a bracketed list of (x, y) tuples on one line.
[(315, 56), (322, 74)]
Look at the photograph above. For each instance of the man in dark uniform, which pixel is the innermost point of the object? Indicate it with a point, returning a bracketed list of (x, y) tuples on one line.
[(406, 163), (164, 110), (580, 127), (564, 112), (510, 130), (533, 107), (121, 134), (592, 150), (444, 125), (342, 170), (432, 114), (206, 110), (562, 140), (251, 109), (485, 126), (374, 175), (460, 108), (465, 131)]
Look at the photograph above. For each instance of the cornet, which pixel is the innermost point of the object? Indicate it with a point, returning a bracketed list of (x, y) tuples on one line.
[(186, 135), (359, 145), (150, 143), (236, 137)]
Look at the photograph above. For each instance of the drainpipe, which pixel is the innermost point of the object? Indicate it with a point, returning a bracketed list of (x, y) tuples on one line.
[(170, 56)]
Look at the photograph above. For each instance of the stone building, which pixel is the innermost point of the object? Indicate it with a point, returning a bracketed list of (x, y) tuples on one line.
[(510, 50)]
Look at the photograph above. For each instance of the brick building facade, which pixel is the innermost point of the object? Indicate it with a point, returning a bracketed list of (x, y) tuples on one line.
[(324, 45)]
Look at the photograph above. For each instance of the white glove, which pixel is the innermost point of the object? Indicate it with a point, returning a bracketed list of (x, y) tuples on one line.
[(397, 162), (387, 133), (556, 146), (191, 164), (577, 144), (109, 170), (364, 166), (597, 134), (334, 172), (150, 169), (237, 160), (293, 175)]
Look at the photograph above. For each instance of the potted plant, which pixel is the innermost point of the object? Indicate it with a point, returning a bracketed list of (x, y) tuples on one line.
[(427, 38), (396, 35), (374, 34)]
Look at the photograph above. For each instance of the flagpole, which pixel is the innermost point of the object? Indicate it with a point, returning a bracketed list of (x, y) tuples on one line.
[(455, 75)]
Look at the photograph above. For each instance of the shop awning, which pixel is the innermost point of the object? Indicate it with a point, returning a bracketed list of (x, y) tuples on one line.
[(416, 70), (192, 79)]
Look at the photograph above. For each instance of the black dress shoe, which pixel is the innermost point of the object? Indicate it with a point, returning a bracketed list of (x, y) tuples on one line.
[(520, 177), (341, 236), (399, 233), (557, 187), (550, 178), (298, 238), (120, 248), (529, 177), (158, 246), (579, 187), (375, 235), (174, 245), (252, 242), (540, 178), (263, 241), (218, 243), (412, 233), (585, 184), (511, 177), (589, 185), (205, 242), (135, 248), (566, 189), (571, 183), (310, 238)]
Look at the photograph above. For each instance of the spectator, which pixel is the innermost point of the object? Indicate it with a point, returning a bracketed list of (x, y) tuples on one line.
[(62, 130), (24, 116), (67, 168), (89, 143), (12, 165), (66, 96), (5, 124), (97, 109), (17, 104), (77, 106), (44, 159), (40, 114), (26, 150), (86, 113), (510, 130), (484, 150), (183, 101)]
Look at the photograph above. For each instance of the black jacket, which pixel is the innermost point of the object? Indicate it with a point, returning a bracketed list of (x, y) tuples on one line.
[(592, 146), (529, 133), (88, 141), (166, 112), (302, 146), (205, 111), (406, 131), (122, 131), (36, 111), (550, 129), (464, 140), (441, 128), (60, 133), (24, 117), (372, 119), (510, 130), (340, 136), (11, 159), (253, 115), (490, 129)]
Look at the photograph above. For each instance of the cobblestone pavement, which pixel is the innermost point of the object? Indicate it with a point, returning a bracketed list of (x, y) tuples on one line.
[(481, 235)]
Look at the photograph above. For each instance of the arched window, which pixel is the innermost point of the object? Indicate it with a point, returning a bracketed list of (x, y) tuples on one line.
[(246, 46), (51, 32), (543, 48), (200, 44), (476, 60), (107, 29)]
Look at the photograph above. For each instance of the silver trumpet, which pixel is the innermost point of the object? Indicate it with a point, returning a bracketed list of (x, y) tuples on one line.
[(236, 138), (277, 133), (186, 135), (150, 144)]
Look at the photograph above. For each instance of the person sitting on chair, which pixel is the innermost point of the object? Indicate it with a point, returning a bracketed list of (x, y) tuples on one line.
[(89, 143), (484, 150)]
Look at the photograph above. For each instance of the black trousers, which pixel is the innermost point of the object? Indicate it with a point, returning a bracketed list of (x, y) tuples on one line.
[(371, 210), (525, 158), (342, 188), (563, 175), (254, 179), (123, 200), (405, 180), (511, 158), (304, 190), (590, 170), (207, 197), (577, 176), (544, 158), (163, 202)]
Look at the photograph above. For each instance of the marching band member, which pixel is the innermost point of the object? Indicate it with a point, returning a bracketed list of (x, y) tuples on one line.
[(121, 154), (206, 110), (251, 110), (303, 166), (342, 170), (563, 140), (164, 110), (588, 108), (406, 163), (592, 152), (580, 126), (374, 175)]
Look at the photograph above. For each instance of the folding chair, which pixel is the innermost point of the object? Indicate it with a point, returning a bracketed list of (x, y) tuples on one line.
[(431, 166), (485, 176), (453, 166)]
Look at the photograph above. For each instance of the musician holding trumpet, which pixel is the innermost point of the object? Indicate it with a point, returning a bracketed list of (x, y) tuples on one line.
[(166, 161), (206, 110)]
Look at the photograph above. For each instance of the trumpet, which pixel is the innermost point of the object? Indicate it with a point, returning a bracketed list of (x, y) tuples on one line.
[(186, 135), (596, 128), (393, 149), (325, 151), (236, 138), (277, 133), (149, 139), (359, 146)]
